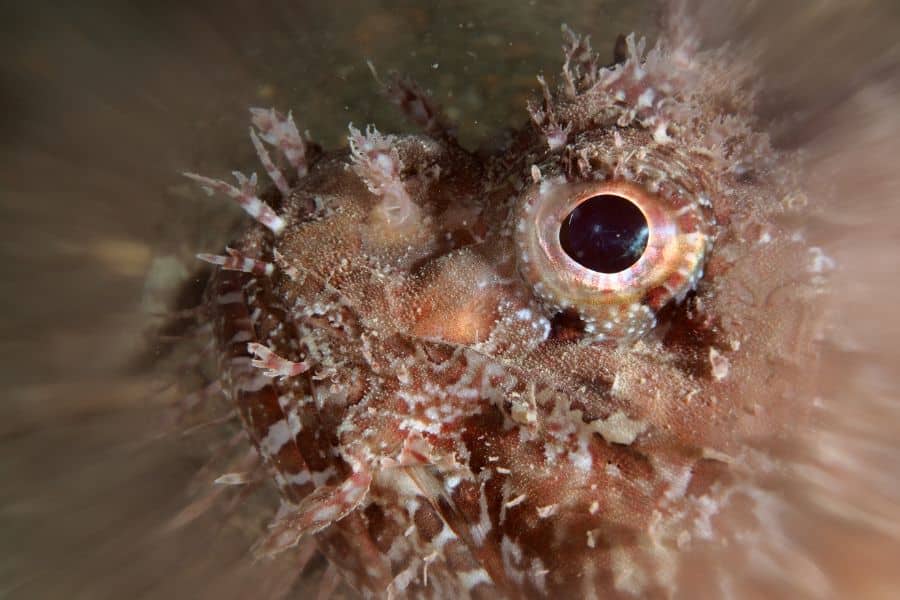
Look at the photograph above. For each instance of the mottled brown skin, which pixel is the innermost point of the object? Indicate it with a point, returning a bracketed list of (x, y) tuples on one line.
[(455, 434)]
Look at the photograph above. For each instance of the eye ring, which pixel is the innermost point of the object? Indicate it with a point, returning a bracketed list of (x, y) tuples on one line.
[(623, 304)]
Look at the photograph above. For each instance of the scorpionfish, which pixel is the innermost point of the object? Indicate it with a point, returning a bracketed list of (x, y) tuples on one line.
[(548, 369)]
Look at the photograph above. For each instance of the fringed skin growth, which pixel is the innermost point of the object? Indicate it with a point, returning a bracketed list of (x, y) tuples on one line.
[(378, 165), (451, 406)]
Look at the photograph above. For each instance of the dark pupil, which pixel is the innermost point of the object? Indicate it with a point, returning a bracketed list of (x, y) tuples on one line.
[(605, 233)]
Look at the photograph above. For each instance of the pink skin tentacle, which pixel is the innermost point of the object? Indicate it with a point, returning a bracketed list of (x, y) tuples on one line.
[(235, 261), (274, 172), (274, 365), (281, 132), (245, 196)]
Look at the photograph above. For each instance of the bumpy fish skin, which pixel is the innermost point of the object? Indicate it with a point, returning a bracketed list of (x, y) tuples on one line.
[(443, 422)]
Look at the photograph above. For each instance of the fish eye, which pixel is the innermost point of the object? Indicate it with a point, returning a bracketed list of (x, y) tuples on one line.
[(613, 252), (605, 233)]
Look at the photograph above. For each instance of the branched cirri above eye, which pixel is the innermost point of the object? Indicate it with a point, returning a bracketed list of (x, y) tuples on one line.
[(612, 252)]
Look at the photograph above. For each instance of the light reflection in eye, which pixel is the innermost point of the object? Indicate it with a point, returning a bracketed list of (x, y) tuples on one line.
[(612, 252)]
